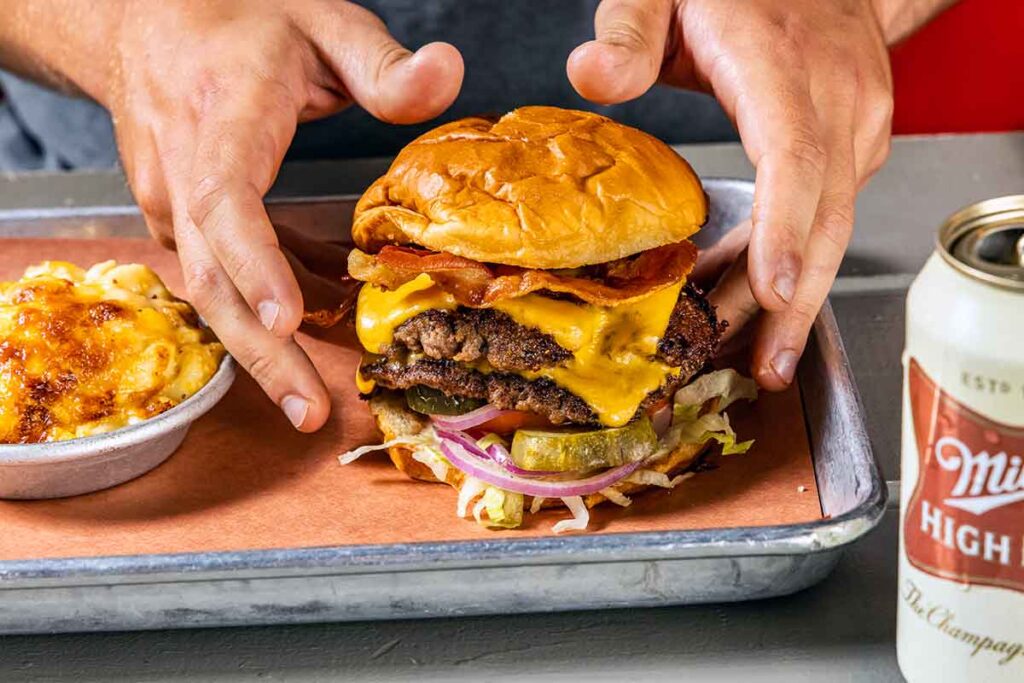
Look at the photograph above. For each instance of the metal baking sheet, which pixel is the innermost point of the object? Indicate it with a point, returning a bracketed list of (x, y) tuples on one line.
[(466, 577)]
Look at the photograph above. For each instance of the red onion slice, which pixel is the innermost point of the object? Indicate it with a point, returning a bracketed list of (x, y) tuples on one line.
[(488, 472), (495, 452), (468, 420)]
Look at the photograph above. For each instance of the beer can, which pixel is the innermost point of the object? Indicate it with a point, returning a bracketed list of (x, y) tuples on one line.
[(960, 613)]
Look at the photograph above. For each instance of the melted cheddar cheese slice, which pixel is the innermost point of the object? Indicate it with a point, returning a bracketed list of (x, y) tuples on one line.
[(613, 366), (84, 352)]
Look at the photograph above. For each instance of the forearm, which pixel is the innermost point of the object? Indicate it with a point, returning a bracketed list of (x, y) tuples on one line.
[(63, 43), (901, 18)]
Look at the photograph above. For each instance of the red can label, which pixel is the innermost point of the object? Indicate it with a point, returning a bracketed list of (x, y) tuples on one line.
[(965, 520)]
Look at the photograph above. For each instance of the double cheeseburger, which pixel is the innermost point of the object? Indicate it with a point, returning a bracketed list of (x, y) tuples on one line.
[(530, 335)]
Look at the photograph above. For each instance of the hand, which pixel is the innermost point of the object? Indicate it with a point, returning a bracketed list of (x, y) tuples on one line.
[(808, 86), (205, 99)]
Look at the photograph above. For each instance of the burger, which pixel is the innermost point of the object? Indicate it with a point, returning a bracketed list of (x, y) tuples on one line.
[(530, 336)]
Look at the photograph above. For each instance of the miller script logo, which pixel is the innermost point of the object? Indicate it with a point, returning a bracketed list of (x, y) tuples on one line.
[(965, 520), (985, 481)]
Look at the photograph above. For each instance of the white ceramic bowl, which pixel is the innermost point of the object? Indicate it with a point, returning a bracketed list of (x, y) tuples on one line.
[(69, 468)]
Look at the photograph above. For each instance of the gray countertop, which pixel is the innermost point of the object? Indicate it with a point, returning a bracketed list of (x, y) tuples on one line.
[(842, 629)]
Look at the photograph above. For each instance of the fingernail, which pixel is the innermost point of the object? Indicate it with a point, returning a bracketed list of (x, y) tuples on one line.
[(786, 277), (784, 364), (295, 409), (268, 312)]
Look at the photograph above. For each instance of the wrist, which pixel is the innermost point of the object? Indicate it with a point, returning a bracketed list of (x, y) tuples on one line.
[(66, 44)]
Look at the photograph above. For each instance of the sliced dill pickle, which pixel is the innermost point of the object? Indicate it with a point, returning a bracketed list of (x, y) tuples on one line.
[(571, 451), (431, 401)]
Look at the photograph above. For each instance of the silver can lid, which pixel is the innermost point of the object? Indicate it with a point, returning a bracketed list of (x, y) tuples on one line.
[(986, 241)]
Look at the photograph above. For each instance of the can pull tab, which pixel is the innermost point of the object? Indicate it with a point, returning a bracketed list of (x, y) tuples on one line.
[(996, 250)]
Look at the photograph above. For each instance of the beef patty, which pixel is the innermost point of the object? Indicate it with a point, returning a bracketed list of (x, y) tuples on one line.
[(432, 349), (473, 334)]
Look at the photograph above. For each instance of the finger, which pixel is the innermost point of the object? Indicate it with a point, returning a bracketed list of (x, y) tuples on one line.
[(241, 143), (144, 172), (874, 132), (733, 300), (715, 260), (279, 365), (783, 334), (625, 58), (389, 81), (765, 86)]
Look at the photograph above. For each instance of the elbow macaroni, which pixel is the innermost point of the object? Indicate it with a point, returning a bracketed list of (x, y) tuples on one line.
[(90, 351)]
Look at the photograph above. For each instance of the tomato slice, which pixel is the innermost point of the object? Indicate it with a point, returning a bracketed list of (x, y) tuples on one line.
[(658, 406), (513, 420)]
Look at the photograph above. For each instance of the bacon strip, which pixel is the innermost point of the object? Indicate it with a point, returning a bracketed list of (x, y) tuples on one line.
[(477, 284)]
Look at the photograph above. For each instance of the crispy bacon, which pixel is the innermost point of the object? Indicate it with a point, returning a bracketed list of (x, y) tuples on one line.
[(477, 284)]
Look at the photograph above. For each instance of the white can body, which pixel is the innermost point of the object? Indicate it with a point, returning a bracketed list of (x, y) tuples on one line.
[(961, 562)]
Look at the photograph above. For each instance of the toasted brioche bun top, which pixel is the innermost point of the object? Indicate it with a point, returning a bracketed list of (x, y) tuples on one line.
[(541, 187)]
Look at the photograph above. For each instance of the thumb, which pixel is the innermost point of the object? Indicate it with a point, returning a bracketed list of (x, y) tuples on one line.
[(625, 59), (392, 83)]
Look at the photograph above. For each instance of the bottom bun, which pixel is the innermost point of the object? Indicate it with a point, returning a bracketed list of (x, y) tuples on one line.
[(395, 419)]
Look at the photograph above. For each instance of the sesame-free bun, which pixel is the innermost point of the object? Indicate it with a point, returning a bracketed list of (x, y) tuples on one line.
[(541, 187)]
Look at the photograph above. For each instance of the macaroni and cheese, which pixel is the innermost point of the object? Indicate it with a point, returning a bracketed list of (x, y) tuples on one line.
[(90, 351)]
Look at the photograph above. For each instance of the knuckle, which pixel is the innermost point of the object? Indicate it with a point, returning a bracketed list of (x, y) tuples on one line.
[(783, 229), (843, 78), (260, 365), (788, 35), (626, 34), (836, 225), (879, 104), (162, 236), (202, 284), (786, 232), (388, 53), (878, 157), (279, 97), (209, 87), (884, 104), (148, 189), (805, 149), (884, 150), (787, 50), (207, 195), (804, 312), (246, 269)]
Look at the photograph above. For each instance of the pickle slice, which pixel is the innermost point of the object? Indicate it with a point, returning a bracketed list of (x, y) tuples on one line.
[(571, 451), (431, 401)]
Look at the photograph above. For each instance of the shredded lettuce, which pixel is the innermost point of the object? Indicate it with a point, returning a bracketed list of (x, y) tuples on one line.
[(504, 508), (616, 496), (680, 478), (650, 478), (432, 458), (725, 387), (580, 516), (710, 427), (728, 386), (424, 438), (494, 507), (470, 490)]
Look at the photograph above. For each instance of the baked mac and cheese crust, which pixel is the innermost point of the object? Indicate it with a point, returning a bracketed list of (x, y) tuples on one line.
[(90, 351)]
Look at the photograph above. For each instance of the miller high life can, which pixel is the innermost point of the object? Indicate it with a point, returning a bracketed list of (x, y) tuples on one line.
[(961, 564)]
